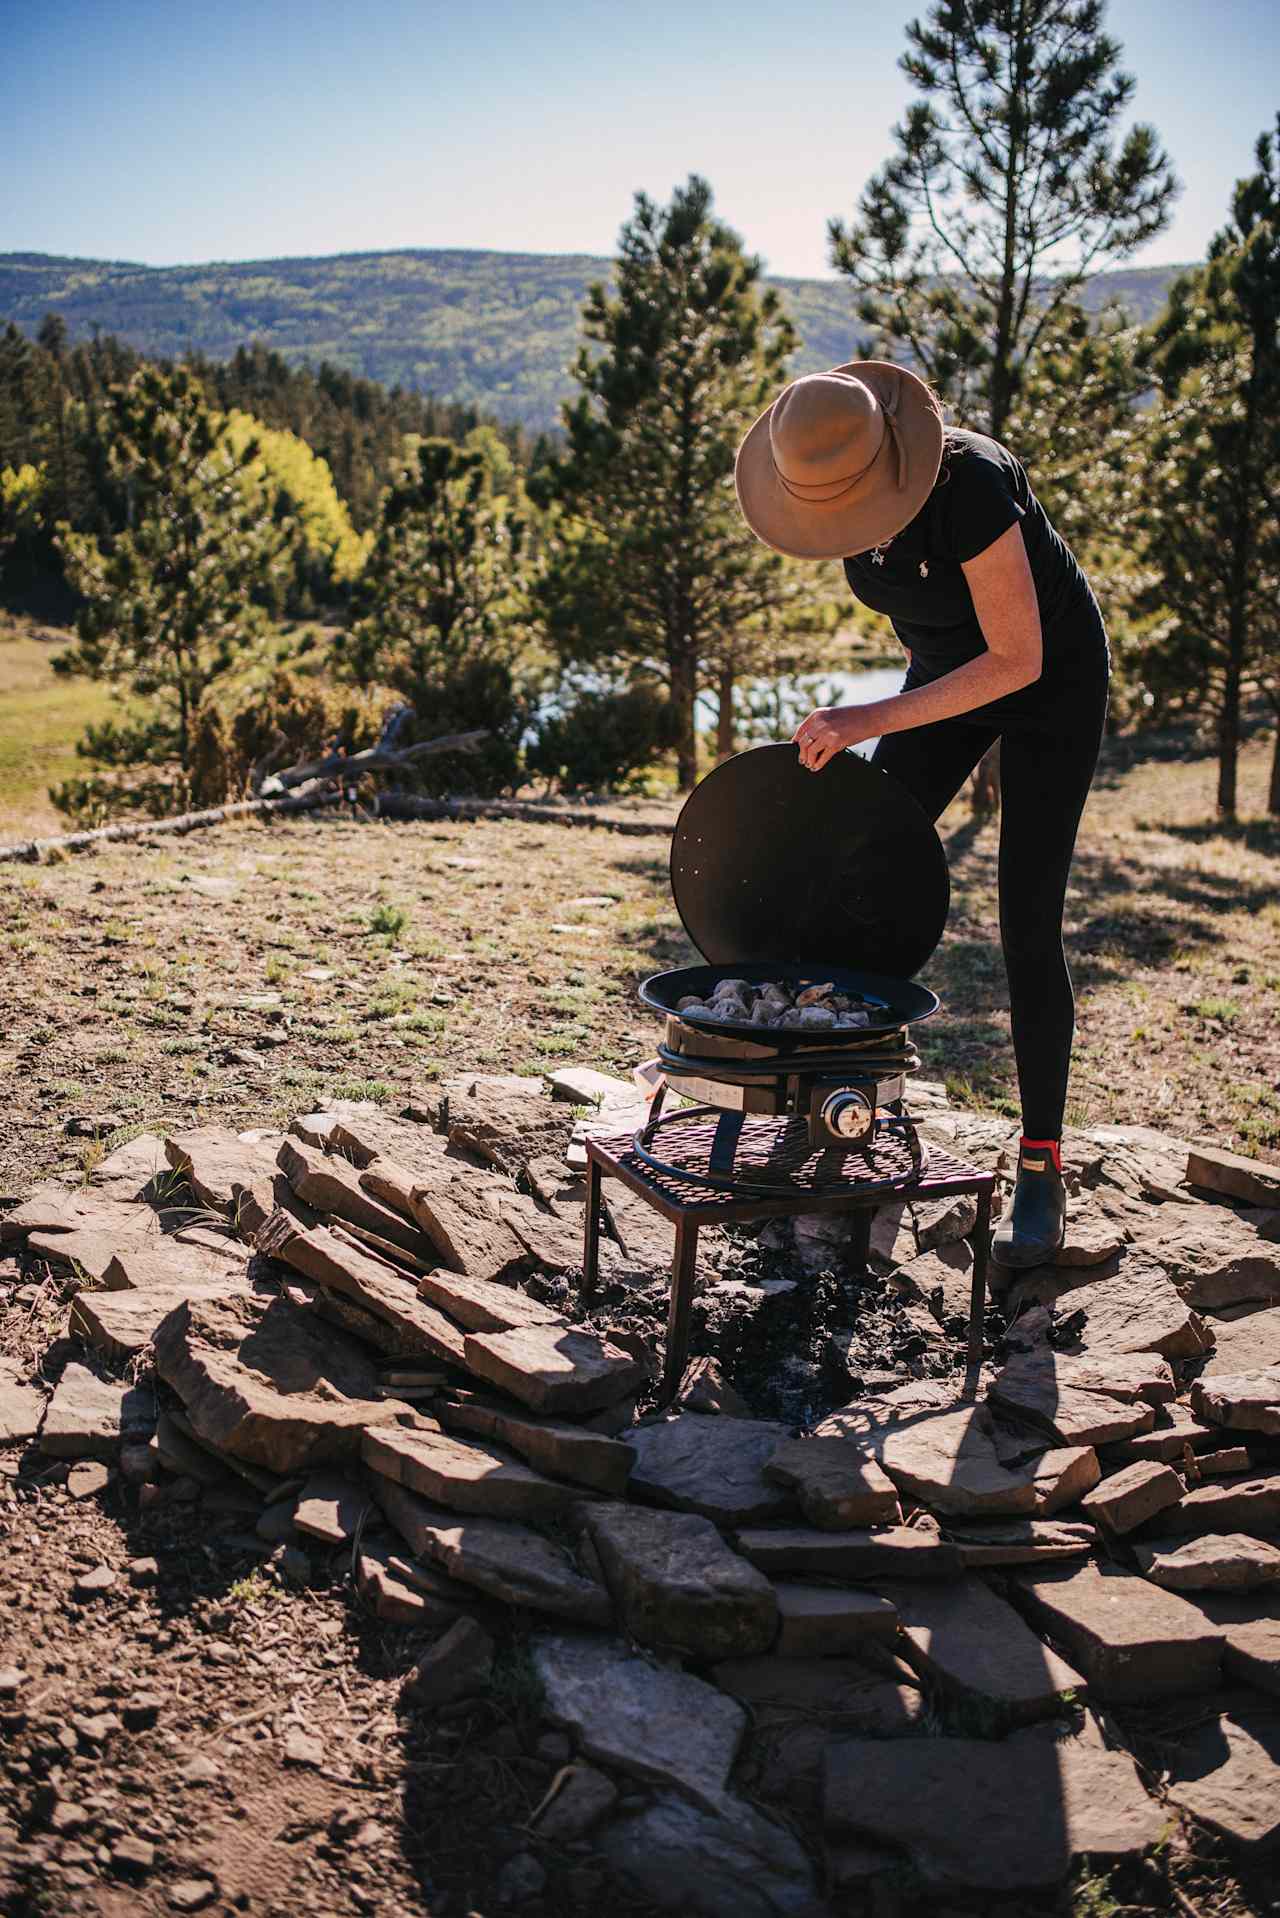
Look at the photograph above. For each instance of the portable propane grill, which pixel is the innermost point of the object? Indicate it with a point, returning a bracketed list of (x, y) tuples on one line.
[(804, 879)]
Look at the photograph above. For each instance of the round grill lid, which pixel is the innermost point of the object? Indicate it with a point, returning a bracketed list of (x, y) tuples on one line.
[(773, 864)]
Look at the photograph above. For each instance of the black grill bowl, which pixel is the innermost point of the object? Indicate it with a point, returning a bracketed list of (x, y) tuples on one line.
[(904, 1002)]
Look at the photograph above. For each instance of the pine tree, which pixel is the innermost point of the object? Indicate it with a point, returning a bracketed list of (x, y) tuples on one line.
[(1213, 518), (1006, 192), (441, 603), (649, 560), (170, 602)]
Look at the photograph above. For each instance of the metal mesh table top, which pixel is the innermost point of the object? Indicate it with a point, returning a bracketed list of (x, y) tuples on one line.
[(780, 1148)]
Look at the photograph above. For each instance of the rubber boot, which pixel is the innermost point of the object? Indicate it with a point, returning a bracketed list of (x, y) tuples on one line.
[(1035, 1225)]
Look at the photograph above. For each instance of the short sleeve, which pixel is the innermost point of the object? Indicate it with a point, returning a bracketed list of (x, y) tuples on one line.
[(978, 505)]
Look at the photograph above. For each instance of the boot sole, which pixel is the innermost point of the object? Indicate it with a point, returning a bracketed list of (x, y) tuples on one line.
[(1022, 1261)]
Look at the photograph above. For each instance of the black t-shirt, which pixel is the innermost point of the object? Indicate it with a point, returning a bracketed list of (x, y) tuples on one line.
[(981, 492)]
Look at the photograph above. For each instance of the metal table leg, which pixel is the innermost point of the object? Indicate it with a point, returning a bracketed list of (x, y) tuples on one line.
[(591, 1233), (683, 1267), (978, 1294)]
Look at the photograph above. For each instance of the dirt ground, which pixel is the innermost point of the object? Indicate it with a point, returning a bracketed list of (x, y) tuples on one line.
[(242, 976)]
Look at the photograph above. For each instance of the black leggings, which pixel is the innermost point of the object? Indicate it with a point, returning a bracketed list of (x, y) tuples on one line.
[(1046, 766)]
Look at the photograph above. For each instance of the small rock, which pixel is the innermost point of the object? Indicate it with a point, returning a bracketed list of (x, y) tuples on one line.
[(12, 1678), (839, 1484), (201, 1770), (300, 1748), (133, 1856), (95, 1728), (144, 1571), (141, 1709), (96, 1583), (136, 1464), (67, 1816), (192, 1894), (85, 1479), (1247, 1402), (520, 1879), (584, 1798), (817, 1621), (705, 1389), (554, 1747), (457, 1666)]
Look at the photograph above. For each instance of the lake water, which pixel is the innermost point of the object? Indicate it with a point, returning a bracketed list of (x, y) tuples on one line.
[(781, 704)]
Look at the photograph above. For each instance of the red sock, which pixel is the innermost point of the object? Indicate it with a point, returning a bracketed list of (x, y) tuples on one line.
[(1052, 1146)]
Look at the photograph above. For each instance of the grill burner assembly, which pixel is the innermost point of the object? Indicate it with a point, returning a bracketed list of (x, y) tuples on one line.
[(797, 879)]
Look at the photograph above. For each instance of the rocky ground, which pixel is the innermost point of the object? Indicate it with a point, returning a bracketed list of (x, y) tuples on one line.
[(351, 1568)]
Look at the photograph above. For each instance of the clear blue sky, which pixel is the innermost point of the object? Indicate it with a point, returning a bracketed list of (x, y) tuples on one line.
[(159, 131)]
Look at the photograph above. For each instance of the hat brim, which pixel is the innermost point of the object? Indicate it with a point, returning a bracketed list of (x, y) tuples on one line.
[(877, 507)]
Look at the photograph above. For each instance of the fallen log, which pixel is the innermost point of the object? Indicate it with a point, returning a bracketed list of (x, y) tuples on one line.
[(410, 806), (373, 759), (33, 850)]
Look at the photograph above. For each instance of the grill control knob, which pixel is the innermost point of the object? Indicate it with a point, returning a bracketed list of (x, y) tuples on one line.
[(848, 1116)]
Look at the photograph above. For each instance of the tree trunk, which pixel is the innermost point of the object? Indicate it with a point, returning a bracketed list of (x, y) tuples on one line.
[(1273, 793), (984, 793), (1229, 720), (683, 692), (725, 742)]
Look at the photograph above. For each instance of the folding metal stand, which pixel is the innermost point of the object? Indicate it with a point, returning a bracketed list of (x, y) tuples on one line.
[(689, 1205)]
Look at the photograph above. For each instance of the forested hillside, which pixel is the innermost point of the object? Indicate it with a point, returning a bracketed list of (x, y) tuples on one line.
[(494, 330)]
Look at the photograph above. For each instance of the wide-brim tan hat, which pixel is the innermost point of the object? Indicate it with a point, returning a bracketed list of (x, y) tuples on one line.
[(841, 461)]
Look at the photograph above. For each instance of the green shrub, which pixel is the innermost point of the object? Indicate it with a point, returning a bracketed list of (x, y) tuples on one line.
[(603, 739)]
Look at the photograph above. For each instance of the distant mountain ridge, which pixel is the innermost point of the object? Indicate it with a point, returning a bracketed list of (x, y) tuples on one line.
[(496, 329)]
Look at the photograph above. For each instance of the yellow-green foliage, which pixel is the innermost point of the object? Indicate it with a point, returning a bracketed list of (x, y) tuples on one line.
[(286, 462), (291, 718)]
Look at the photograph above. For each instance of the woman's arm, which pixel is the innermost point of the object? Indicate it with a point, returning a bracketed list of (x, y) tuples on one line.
[(1004, 598)]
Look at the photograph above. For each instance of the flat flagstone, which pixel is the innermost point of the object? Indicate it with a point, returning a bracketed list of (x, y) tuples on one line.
[(1218, 1562), (1233, 1505), (1136, 1308), (252, 1206), (21, 1405), (267, 1382), (1249, 1624), (584, 1086), (1232, 1461), (174, 1263), (676, 1583), (52, 1209), (1245, 1338), (1039, 1388), (838, 1484), (562, 1450), (506, 1119), (214, 1160), (333, 1185), (89, 1417), (1117, 1375), (1131, 1496), (128, 1170), (457, 1210), (1226, 1773), (1243, 1402), (797, 1704), (939, 1278), (664, 1727), (947, 1460), (1062, 1476), (466, 1475), (403, 1595), (551, 1235), (712, 1466), (1175, 1428), (479, 1306), (363, 1135), (1008, 1815), (899, 1551), (330, 1508), (387, 1295), (1213, 1257), (1130, 1639), (553, 1368), (1092, 1239), (1212, 1170), (730, 1862), (505, 1560), (965, 1638), (817, 1621), (1018, 1541)]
